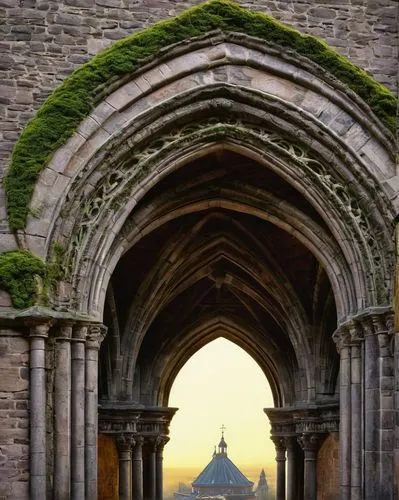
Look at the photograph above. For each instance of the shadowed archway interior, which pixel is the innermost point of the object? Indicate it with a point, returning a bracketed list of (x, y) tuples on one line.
[(220, 269)]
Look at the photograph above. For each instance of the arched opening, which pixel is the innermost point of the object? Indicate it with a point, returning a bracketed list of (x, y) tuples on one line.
[(219, 384), (226, 185), (224, 246)]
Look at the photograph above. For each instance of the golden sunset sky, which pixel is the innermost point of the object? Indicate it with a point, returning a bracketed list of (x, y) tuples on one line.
[(220, 384)]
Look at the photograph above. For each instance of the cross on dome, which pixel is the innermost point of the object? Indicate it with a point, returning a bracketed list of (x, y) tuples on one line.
[(222, 444)]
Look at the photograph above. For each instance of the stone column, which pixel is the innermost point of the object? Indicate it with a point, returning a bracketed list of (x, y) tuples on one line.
[(137, 469), (159, 468), (279, 443), (383, 325), (93, 342), (310, 445), (372, 406), (150, 468), (124, 443), (62, 412), (396, 408), (342, 339), (357, 414), (291, 443), (37, 388), (78, 413)]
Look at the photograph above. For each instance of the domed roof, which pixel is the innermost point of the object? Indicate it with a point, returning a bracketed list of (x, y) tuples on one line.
[(221, 472)]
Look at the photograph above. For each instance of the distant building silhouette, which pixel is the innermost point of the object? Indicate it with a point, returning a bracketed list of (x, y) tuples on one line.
[(262, 490), (220, 478)]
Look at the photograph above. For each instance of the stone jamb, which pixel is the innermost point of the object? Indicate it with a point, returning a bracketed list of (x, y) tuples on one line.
[(38, 334), (62, 411), (94, 338)]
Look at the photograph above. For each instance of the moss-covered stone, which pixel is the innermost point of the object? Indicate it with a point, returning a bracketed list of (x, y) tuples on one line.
[(69, 104), (21, 274)]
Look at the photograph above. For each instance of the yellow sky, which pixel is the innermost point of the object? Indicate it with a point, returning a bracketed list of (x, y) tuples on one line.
[(220, 384)]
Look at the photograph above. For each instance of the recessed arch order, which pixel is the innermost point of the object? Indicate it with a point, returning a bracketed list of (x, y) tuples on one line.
[(234, 94), (222, 92), (146, 159)]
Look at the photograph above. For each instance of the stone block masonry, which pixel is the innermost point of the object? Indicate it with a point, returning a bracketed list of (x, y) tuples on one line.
[(43, 41), (14, 424)]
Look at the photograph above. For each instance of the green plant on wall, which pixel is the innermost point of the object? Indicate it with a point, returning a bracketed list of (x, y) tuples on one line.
[(22, 274), (69, 104), (28, 279)]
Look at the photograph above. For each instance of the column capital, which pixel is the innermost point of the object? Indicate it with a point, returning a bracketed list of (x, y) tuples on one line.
[(342, 337), (40, 329), (79, 332), (372, 321), (279, 443), (161, 442), (64, 331), (356, 332), (310, 442), (95, 335), (125, 441), (139, 440), (291, 442), (152, 442)]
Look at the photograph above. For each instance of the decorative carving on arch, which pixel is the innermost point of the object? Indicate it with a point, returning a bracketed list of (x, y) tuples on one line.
[(108, 197)]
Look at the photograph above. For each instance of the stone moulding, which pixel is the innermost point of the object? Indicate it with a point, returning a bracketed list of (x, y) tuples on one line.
[(60, 115), (107, 199)]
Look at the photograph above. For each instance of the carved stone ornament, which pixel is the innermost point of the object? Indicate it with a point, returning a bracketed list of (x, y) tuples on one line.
[(111, 191)]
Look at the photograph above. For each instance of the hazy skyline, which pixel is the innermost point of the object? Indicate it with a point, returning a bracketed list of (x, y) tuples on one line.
[(220, 384)]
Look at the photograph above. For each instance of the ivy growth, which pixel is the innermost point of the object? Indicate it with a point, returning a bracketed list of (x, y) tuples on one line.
[(58, 118)]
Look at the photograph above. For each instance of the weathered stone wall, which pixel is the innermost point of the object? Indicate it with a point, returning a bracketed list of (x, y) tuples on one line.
[(43, 41), (328, 469), (14, 425)]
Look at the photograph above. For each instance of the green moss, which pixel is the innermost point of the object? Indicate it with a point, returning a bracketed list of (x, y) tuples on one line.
[(55, 271), (20, 274), (28, 279), (70, 103)]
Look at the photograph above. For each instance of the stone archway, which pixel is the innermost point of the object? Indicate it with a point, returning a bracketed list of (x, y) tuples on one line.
[(227, 185)]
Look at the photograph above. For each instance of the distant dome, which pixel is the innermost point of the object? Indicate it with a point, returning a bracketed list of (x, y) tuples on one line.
[(221, 472)]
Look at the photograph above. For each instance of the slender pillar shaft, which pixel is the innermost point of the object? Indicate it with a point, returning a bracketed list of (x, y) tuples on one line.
[(280, 461), (345, 422), (310, 475), (93, 342), (396, 408), (159, 472), (78, 414), (292, 467), (38, 335), (310, 445), (356, 419), (152, 474), (372, 404), (62, 413), (386, 415), (137, 469), (125, 467)]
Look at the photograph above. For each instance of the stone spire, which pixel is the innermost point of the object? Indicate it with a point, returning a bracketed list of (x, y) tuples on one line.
[(262, 490)]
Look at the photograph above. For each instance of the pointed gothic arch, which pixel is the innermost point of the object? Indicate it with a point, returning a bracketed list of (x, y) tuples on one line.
[(161, 156)]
